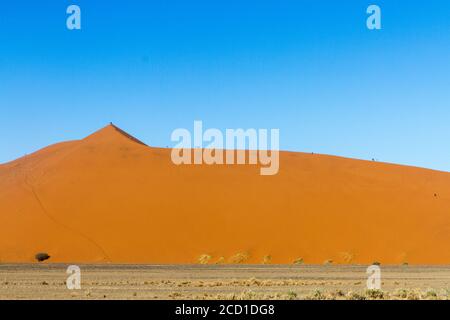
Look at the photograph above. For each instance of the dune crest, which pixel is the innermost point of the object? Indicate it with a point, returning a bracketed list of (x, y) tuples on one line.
[(111, 198)]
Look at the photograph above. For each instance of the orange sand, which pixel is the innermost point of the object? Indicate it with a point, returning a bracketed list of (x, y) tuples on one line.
[(110, 198)]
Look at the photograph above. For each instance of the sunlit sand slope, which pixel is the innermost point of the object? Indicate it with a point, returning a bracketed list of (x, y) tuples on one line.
[(111, 198)]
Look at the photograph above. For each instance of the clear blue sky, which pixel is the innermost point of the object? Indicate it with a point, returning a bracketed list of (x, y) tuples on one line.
[(310, 68)]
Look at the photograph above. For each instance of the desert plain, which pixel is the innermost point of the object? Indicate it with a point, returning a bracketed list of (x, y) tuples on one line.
[(226, 282)]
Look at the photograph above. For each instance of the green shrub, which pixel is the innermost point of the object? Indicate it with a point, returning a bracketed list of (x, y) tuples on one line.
[(41, 256)]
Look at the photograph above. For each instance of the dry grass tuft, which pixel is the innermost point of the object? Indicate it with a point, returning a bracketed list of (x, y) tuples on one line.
[(291, 295), (267, 259), (375, 294), (240, 257), (204, 259), (355, 296), (317, 295)]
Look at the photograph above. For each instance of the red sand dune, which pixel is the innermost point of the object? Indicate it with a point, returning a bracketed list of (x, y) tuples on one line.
[(110, 198)]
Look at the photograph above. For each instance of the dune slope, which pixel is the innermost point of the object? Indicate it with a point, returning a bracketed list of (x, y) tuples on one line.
[(111, 198)]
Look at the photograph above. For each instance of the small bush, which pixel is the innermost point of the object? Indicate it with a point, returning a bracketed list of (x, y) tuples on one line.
[(376, 263), (298, 261), (431, 294), (42, 256), (328, 262)]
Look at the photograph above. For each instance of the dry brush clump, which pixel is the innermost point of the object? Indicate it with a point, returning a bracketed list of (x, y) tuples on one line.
[(399, 294), (267, 259), (416, 294), (255, 294), (431, 294), (244, 295), (291, 295), (204, 258), (248, 295), (355, 296), (375, 294), (240, 257)]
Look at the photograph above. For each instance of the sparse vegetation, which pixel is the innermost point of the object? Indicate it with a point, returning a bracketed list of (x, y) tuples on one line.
[(291, 295), (401, 293), (204, 259), (375, 294), (298, 261), (317, 295), (431, 294), (244, 295), (328, 262), (355, 296), (413, 295), (240, 257)]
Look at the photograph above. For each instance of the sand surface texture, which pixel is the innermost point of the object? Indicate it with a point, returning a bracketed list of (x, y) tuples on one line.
[(109, 198)]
